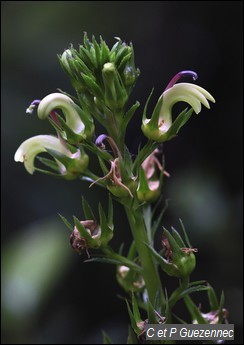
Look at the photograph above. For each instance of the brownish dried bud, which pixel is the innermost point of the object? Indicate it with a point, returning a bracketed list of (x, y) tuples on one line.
[(78, 242)]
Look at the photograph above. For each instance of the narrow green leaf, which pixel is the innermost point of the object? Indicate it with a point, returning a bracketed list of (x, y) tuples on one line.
[(66, 222), (106, 338), (151, 313), (213, 301), (103, 165), (197, 282), (49, 163), (86, 41), (144, 115), (129, 114), (167, 312), (132, 338), (167, 267), (122, 52), (65, 160), (92, 86), (128, 161), (106, 231), (58, 128), (135, 308), (110, 211), (132, 251), (118, 261), (102, 217), (173, 244), (87, 57), (48, 173), (185, 234), (72, 137), (159, 219), (100, 153), (193, 289), (179, 122), (104, 52), (104, 261), (121, 248), (194, 311), (124, 61), (179, 319), (89, 215), (132, 319), (84, 233), (177, 237), (221, 306)]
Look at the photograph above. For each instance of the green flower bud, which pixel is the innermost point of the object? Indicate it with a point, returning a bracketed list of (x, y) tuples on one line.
[(129, 76), (180, 261), (115, 92)]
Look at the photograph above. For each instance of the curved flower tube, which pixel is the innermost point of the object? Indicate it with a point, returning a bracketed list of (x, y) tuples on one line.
[(67, 163), (161, 127), (77, 121)]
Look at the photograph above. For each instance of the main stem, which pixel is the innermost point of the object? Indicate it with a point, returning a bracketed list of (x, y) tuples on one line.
[(150, 273)]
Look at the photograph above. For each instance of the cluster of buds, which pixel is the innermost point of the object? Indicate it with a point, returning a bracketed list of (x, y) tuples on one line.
[(103, 78)]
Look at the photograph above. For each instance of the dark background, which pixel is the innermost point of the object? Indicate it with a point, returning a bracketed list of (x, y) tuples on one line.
[(48, 294)]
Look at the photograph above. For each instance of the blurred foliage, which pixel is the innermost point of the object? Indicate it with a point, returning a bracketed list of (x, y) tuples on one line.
[(48, 298)]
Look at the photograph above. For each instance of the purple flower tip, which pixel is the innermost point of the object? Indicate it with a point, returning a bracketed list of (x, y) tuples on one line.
[(181, 75), (100, 139), (32, 106), (36, 102)]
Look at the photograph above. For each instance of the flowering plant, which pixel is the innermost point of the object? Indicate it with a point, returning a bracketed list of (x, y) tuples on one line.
[(103, 80)]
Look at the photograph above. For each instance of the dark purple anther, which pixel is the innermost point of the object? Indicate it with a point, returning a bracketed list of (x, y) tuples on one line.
[(180, 75)]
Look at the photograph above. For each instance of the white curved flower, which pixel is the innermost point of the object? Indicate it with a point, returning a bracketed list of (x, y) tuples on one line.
[(31, 147), (68, 107), (192, 94), (161, 127)]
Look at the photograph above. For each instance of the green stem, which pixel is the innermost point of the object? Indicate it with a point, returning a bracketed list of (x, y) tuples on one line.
[(150, 273), (176, 294), (115, 130)]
